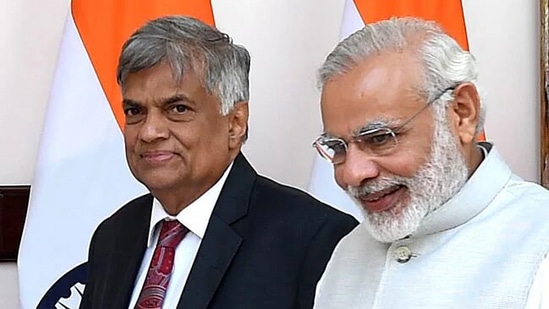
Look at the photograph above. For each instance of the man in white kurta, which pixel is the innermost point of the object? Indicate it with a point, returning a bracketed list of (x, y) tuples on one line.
[(447, 224), (481, 249)]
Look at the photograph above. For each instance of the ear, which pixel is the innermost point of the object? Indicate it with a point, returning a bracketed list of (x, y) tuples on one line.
[(238, 124), (464, 112)]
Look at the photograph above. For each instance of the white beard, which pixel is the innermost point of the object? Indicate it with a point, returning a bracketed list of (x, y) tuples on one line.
[(433, 184)]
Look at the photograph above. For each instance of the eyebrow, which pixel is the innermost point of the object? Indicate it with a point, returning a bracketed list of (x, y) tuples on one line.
[(377, 124), (371, 125), (162, 102)]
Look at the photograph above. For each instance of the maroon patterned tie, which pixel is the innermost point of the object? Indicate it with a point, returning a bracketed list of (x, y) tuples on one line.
[(160, 270)]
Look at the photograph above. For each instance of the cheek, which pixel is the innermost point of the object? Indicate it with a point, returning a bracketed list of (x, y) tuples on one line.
[(188, 139), (218, 135), (405, 164), (130, 139), (203, 139), (412, 154)]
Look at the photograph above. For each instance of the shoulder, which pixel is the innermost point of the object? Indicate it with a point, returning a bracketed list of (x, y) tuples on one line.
[(522, 200), (289, 201), (136, 209), (526, 191)]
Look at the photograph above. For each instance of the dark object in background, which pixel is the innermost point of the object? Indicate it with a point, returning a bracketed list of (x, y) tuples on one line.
[(13, 210)]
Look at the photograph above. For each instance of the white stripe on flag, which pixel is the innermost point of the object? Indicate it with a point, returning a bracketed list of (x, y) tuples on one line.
[(351, 20), (81, 174), (322, 184), (323, 187)]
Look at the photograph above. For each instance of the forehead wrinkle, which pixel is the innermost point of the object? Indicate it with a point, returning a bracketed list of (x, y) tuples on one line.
[(410, 94), (176, 97)]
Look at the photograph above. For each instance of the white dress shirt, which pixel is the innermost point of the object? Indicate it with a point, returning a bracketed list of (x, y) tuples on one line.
[(194, 217)]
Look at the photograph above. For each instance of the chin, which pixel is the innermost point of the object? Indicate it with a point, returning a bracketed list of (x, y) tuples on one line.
[(395, 223), (159, 182)]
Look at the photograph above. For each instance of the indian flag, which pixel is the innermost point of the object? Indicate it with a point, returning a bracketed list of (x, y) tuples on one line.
[(81, 175), (356, 14)]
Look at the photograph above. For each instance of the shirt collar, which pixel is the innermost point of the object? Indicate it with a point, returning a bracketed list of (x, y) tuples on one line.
[(194, 217)]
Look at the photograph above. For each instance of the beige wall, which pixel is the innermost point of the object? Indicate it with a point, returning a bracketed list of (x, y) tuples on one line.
[(288, 40)]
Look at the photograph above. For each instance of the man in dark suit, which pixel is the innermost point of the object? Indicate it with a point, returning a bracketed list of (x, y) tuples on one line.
[(212, 233)]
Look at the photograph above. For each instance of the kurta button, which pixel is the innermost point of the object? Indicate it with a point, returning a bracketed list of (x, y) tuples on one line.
[(402, 254)]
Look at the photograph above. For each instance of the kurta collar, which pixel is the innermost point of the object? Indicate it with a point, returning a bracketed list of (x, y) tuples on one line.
[(479, 190)]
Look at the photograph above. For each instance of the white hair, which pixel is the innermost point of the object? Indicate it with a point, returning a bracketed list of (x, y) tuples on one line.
[(188, 44), (445, 64)]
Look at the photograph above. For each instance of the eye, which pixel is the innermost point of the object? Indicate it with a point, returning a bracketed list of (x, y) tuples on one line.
[(132, 111), (335, 145), (179, 108), (379, 142), (134, 114), (380, 139), (179, 112)]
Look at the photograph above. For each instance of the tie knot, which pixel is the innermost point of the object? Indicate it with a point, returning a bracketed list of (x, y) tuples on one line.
[(171, 233)]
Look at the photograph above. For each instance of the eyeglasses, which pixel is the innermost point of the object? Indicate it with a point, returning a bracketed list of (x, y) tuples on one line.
[(380, 141)]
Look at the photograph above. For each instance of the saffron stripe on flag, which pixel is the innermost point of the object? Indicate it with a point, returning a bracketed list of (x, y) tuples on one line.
[(448, 13), (119, 19)]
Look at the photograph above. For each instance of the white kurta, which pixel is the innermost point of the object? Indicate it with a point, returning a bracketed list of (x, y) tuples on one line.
[(481, 249)]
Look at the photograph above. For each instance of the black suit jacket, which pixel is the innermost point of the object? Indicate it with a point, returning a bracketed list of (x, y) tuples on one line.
[(266, 246)]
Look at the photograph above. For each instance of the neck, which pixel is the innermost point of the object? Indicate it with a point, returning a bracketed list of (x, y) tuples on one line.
[(174, 201), (474, 159)]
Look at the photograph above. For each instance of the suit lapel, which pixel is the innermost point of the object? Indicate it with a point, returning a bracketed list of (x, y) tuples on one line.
[(129, 252), (221, 242)]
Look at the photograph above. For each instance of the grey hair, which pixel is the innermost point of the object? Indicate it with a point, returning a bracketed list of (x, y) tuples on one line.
[(187, 44), (445, 63)]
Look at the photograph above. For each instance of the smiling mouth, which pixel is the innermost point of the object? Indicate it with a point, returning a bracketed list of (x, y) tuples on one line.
[(157, 156), (382, 200)]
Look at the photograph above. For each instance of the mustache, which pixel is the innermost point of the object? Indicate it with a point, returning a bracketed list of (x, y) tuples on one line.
[(377, 185)]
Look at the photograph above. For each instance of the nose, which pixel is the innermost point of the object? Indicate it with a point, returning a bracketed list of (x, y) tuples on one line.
[(358, 167), (155, 127)]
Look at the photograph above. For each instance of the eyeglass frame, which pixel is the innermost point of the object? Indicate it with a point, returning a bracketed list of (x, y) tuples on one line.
[(356, 138)]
